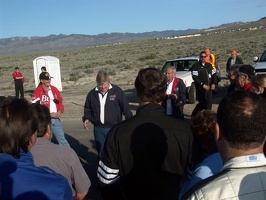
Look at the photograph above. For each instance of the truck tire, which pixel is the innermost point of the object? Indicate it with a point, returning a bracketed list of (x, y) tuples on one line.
[(192, 94)]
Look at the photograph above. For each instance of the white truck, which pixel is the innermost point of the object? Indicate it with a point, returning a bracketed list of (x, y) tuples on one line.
[(260, 63)]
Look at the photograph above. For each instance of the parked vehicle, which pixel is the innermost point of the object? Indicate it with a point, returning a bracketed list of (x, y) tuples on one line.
[(183, 71), (260, 63)]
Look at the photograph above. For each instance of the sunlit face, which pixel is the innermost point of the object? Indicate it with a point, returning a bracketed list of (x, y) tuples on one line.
[(242, 79), (257, 89), (233, 56), (203, 57), (169, 75), (103, 87), (46, 83)]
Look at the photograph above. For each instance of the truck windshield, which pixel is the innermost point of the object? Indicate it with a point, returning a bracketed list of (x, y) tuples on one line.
[(263, 57), (181, 65)]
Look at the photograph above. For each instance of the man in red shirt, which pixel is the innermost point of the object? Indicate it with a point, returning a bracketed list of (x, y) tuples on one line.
[(246, 72), (50, 97), (19, 80)]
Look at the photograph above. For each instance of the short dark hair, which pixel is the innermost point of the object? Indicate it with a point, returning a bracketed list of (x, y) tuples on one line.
[(44, 118), (241, 118), (202, 53), (151, 85), (18, 122)]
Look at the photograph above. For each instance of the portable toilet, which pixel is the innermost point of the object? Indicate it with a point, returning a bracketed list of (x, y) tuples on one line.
[(52, 65)]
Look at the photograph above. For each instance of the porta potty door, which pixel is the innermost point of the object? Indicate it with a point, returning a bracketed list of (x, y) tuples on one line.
[(52, 65)]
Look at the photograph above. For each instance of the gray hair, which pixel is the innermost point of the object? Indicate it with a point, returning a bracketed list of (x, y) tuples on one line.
[(102, 76)]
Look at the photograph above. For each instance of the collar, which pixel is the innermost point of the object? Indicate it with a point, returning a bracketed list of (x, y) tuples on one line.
[(151, 109), (25, 158), (253, 160), (247, 87)]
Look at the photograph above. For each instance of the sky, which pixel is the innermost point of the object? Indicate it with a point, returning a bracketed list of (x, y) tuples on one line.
[(27, 18)]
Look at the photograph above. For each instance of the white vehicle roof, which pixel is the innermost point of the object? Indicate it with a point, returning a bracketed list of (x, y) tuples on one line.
[(185, 58)]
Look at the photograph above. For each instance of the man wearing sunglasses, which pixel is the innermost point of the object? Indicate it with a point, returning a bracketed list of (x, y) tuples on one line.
[(205, 80)]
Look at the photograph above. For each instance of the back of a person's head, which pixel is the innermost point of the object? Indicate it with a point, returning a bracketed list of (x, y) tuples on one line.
[(203, 129), (17, 124), (44, 118), (150, 85), (241, 119)]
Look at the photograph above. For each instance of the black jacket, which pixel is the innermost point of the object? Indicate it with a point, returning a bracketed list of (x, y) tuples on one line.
[(148, 153), (238, 61), (203, 74), (116, 105)]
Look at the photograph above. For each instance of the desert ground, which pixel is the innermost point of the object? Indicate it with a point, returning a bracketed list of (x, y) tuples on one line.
[(79, 69)]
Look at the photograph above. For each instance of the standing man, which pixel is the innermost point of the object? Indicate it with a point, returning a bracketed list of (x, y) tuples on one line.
[(18, 135), (19, 80), (145, 156), (245, 73), (61, 159), (241, 147), (205, 80), (175, 97), (211, 58), (104, 107), (50, 96), (234, 59)]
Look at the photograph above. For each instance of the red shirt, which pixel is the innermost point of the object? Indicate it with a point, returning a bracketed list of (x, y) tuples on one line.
[(247, 87), (40, 95), (18, 76)]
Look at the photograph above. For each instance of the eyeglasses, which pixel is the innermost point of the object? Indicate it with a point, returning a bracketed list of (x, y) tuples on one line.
[(203, 56)]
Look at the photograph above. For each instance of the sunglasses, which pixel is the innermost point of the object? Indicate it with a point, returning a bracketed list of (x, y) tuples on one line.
[(203, 56)]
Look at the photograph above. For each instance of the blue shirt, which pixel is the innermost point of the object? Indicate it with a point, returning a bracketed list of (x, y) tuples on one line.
[(208, 167), (31, 182)]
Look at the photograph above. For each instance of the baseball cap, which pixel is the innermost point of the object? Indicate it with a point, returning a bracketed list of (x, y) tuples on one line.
[(45, 76), (248, 70), (233, 52), (8, 164), (207, 51)]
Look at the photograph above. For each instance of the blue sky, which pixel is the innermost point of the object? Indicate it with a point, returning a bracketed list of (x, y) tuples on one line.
[(92, 17)]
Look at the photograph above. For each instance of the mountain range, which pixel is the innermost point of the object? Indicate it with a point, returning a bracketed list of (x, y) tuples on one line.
[(21, 45)]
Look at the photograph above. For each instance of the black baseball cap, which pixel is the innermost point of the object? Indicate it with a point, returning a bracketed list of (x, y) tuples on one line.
[(45, 76)]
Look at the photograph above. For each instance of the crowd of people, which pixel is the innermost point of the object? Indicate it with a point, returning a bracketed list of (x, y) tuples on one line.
[(154, 154)]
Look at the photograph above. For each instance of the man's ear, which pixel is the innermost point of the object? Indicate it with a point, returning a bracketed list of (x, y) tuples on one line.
[(261, 90), (218, 134)]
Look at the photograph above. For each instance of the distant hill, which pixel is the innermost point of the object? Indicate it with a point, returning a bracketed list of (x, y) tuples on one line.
[(19, 45)]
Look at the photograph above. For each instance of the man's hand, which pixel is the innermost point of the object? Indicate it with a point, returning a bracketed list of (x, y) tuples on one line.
[(172, 96), (85, 124), (212, 87), (206, 87), (56, 115)]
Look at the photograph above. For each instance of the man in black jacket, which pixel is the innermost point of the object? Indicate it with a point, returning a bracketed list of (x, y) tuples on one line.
[(205, 80), (104, 107), (145, 156)]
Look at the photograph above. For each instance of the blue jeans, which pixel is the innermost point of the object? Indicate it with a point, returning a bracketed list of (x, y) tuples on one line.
[(99, 137), (58, 132)]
